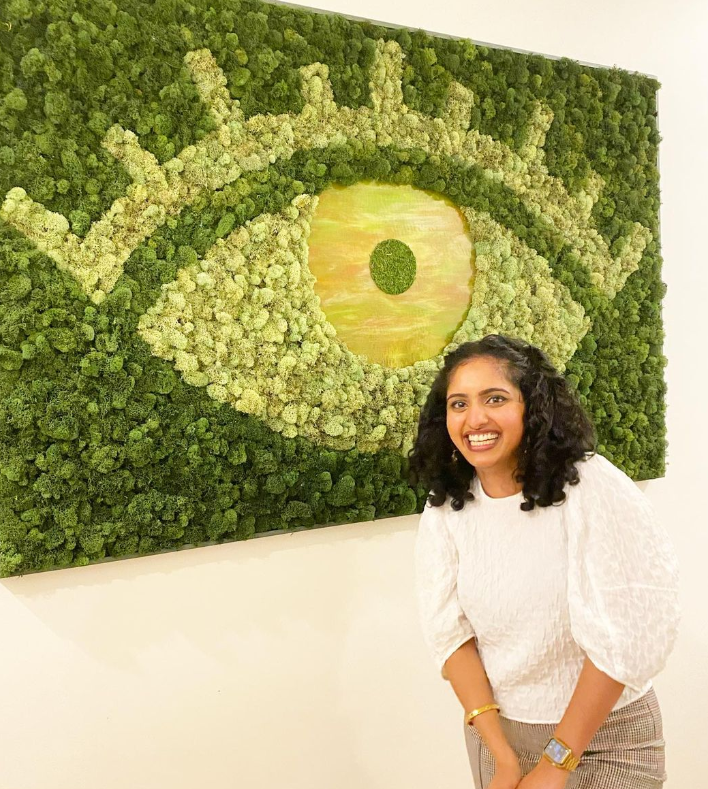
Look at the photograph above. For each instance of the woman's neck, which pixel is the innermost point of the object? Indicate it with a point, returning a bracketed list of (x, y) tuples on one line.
[(498, 484)]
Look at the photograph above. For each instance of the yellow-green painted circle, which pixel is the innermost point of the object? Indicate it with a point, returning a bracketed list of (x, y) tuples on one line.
[(392, 266), (394, 330)]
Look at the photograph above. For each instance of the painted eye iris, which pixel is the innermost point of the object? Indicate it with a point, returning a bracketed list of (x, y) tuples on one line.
[(393, 270)]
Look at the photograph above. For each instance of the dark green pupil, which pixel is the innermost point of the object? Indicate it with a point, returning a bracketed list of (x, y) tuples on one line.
[(392, 265)]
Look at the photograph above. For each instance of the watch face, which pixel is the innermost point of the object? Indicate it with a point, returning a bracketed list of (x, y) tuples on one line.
[(556, 751)]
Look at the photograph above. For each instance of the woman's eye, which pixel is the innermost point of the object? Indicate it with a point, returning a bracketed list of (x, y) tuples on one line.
[(496, 399)]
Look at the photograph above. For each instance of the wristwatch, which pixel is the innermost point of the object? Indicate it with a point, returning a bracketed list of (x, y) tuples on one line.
[(560, 755)]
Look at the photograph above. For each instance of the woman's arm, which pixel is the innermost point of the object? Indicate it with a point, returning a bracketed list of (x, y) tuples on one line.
[(592, 701), (469, 680)]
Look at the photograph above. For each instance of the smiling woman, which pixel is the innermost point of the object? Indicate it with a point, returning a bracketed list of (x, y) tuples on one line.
[(540, 429), (539, 614)]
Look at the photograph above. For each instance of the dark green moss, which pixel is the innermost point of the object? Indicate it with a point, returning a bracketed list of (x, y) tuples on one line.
[(392, 266)]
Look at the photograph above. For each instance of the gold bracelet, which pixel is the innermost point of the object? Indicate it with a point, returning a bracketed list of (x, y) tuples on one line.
[(472, 715)]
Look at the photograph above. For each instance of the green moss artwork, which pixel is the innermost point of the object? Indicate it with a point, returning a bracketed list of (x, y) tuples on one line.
[(219, 315)]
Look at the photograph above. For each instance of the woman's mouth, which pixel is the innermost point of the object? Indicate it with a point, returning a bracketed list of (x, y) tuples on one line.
[(478, 443)]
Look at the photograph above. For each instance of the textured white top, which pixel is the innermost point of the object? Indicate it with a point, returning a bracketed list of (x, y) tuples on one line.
[(596, 576)]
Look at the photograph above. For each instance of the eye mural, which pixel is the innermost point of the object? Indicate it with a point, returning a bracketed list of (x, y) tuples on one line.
[(321, 322)]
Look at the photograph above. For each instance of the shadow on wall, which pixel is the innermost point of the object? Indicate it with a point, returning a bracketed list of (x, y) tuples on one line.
[(227, 639)]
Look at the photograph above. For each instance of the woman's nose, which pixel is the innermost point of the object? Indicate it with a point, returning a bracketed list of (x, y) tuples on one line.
[(476, 417)]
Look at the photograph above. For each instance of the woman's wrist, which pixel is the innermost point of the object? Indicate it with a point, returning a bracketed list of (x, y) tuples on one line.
[(554, 775), (489, 728), (504, 755)]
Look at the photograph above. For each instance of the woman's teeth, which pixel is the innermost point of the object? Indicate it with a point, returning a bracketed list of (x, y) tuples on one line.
[(485, 440)]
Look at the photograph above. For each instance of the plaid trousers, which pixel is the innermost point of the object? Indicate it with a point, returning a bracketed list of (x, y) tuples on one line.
[(627, 751)]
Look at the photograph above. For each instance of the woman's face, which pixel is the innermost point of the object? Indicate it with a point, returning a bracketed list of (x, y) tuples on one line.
[(485, 415)]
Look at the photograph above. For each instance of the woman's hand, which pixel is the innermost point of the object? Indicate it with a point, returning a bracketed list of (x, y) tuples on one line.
[(544, 776), (506, 775)]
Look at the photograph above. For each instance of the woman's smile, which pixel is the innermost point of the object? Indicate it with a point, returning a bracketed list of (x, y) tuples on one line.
[(483, 441)]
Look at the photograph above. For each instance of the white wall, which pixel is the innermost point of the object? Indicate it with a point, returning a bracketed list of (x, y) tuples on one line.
[(148, 673)]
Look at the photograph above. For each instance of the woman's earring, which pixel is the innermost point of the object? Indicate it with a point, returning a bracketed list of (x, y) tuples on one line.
[(455, 455)]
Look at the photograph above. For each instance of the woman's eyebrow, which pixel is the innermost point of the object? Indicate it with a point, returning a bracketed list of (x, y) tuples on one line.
[(483, 392)]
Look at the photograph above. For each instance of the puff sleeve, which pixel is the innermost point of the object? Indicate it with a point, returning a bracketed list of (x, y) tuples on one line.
[(444, 624), (622, 576)]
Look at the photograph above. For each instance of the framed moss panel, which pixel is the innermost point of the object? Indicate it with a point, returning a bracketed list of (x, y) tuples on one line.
[(178, 343)]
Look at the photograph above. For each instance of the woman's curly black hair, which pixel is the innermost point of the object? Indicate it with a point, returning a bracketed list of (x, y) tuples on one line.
[(557, 431)]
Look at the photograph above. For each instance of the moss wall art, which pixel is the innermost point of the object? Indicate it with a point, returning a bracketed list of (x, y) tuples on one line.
[(236, 239)]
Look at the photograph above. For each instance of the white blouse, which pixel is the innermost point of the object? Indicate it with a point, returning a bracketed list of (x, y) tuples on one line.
[(540, 590)]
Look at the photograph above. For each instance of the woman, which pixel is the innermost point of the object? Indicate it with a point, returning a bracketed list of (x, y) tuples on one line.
[(547, 590)]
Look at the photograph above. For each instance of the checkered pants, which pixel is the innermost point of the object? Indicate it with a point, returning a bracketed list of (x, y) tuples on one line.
[(627, 752)]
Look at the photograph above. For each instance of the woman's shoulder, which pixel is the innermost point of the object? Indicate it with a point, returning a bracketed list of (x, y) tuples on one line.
[(446, 518), (600, 478), (436, 514), (596, 466)]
